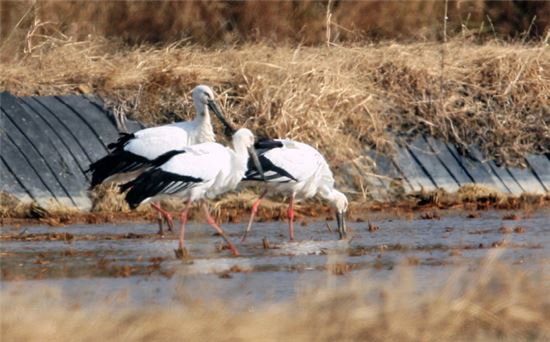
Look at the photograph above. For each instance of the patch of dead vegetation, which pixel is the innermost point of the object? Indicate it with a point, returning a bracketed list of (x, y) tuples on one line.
[(492, 96), (512, 216), (480, 193), (107, 198), (475, 197), (236, 207), (68, 237)]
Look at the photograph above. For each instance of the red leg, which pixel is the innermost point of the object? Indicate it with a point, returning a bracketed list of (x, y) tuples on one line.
[(183, 222), (160, 221), (290, 213), (160, 218), (253, 214), (163, 214), (220, 231)]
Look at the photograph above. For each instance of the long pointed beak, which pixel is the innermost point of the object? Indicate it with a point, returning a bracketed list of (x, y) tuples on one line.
[(341, 221), (229, 129), (256, 161)]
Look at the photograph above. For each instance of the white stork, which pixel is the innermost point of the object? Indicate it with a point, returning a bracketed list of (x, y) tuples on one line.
[(194, 173), (298, 170), (133, 153)]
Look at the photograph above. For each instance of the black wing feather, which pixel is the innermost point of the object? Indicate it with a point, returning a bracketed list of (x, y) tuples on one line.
[(113, 163), (122, 140), (121, 161), (163, 158), (268, 144), (155, 182), (271, 171)]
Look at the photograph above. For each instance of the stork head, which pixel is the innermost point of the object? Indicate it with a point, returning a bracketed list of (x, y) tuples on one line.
[(245, 137), (203, 97), (340, 203)]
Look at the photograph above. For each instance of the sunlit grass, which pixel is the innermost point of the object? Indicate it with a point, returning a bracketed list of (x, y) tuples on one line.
[(339, 99)]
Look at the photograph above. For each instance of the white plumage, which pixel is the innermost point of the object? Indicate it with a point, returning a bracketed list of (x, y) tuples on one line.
[(194, 173), (299, 171), (150, 143), (134, 153)]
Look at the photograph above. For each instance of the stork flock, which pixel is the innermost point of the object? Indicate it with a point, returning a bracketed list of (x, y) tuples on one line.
[(182, 160)]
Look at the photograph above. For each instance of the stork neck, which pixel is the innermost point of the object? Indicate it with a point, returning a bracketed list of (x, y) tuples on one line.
[(241, 154), (203, 115), (204, 131), (331, 195), (326, 194), (239, 159)]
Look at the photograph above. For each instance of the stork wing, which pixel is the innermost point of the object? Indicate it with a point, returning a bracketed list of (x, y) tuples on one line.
[(293, 161), (202, 161), (150, 143)]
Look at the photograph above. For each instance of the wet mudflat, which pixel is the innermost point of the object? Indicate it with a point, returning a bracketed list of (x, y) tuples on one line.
[(130, 263)]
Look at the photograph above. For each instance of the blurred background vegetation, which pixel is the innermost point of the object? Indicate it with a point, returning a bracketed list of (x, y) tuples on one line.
[(212, 23)]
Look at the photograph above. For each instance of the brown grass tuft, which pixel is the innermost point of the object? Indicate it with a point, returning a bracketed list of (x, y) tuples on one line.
[(106, 198), (476, 193), (11, 206)]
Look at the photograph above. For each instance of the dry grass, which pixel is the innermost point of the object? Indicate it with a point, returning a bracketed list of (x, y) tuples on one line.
[(107, 198), (109, 206), (11, 206), (492, 95), (493, 303), (304, 22), (475, 192), (476, 196)]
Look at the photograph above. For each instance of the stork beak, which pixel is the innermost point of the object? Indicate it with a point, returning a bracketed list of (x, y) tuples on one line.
[(341, 222), (256, 161), (229, 129)]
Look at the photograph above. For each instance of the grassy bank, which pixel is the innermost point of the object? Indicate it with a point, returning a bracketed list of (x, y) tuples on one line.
[(492, 303), (340, 99)]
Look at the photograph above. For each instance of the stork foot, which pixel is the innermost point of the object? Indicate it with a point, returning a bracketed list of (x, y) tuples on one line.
[(243, 238), (163, 215), (169, 222), (182, 253), (161, 228)]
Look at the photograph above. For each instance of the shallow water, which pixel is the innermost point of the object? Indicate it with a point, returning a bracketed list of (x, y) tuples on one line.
[(130, 264)]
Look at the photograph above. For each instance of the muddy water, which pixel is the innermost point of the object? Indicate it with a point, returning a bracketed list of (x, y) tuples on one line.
[(131, 264)]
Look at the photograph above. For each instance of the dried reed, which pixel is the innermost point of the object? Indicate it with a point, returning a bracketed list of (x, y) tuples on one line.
[(341, 99)]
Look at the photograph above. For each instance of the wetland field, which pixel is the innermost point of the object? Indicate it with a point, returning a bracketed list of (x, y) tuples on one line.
[(480, 274)]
